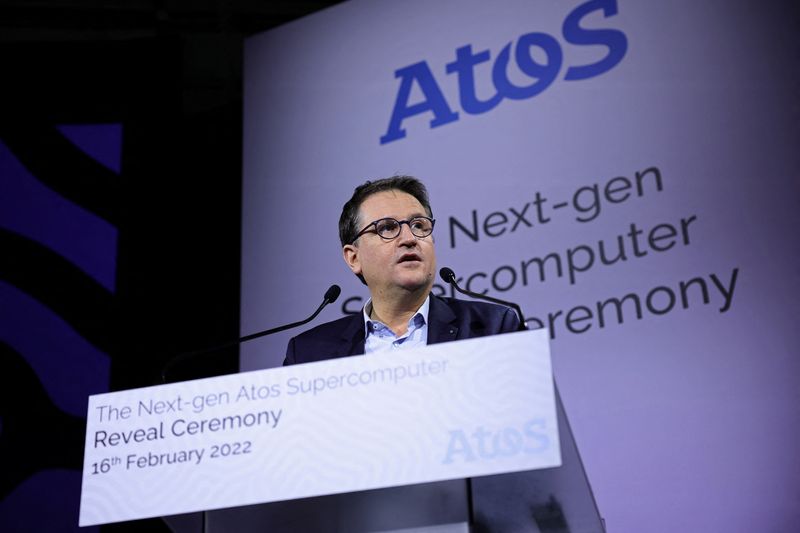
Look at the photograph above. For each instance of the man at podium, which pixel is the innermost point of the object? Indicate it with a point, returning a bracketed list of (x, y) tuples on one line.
[(386, 232)]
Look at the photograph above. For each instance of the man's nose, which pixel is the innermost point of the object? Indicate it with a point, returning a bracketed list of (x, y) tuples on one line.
[(406, 237)]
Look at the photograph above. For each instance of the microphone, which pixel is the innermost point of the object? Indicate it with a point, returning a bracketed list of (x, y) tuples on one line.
[(330, 296), (449, 277)]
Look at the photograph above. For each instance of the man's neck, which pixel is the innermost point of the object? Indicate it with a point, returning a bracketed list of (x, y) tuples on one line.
[(396, 312)]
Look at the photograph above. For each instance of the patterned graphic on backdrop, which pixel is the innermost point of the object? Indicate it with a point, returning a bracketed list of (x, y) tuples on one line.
[(58, 238)]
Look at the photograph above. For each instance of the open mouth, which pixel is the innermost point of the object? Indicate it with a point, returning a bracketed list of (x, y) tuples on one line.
[(405, 258)]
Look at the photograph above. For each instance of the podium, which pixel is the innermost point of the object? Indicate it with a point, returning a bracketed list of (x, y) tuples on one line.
[(478, 442), (552, 500)]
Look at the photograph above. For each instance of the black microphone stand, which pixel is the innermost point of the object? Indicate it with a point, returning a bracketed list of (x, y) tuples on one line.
[(449, 277), (330, 296)]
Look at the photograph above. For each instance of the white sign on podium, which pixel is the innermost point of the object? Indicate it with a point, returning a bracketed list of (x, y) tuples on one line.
[(446, 411)]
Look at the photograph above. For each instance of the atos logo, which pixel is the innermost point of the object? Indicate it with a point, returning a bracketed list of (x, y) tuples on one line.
[(483, 444), (542, 75)]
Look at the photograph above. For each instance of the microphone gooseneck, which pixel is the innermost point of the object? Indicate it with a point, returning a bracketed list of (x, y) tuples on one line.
[(330, 296), (449, 277)]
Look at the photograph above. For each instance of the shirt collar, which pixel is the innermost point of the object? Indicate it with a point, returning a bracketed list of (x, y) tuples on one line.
[(422, 311)]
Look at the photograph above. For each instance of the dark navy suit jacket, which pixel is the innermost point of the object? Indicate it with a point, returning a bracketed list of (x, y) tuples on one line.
[(448, 320)]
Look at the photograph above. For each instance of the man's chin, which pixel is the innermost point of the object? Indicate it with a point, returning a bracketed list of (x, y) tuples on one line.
[(416, 283)]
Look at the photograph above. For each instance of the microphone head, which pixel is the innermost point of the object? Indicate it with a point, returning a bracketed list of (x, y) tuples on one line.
[(447, 275), (332, 293)]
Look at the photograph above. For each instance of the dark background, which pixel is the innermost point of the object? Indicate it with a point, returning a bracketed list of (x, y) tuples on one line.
[(170, 73)]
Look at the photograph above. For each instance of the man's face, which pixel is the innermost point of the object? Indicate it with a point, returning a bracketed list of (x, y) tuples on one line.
[(406, 262)]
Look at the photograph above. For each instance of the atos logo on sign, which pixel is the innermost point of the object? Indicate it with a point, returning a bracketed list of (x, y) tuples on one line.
[(482, 444), (542, 75)]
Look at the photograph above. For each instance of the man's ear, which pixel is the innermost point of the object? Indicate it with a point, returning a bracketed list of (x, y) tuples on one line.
[(350, 254)]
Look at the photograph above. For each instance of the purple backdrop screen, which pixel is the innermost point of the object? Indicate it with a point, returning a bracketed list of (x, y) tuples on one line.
[(626, 171)]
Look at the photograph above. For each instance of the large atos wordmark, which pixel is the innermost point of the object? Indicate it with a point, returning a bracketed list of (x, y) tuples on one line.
[(542, 74)]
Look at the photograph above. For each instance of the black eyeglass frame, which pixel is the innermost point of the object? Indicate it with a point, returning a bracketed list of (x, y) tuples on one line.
[(374, 226)]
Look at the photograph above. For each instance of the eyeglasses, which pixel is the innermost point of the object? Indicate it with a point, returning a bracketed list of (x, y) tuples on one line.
[(389, 228)]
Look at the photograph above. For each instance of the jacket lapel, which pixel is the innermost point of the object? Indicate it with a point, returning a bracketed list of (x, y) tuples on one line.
[(352, 337), (442, 325)]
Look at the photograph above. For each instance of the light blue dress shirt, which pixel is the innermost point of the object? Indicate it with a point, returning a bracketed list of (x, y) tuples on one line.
[(379, 338)]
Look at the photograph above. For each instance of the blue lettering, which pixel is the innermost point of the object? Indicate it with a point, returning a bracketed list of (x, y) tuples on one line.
[(505, 442), (542, 442), (458, 445), (543, 74), (615, 40), (434, 101), (480, 436), (463, 66)]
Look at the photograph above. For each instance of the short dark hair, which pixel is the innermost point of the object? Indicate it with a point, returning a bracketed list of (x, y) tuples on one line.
[(348, 221)]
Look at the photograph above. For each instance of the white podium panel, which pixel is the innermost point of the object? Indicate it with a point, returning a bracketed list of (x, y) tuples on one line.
[(447, 411)]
